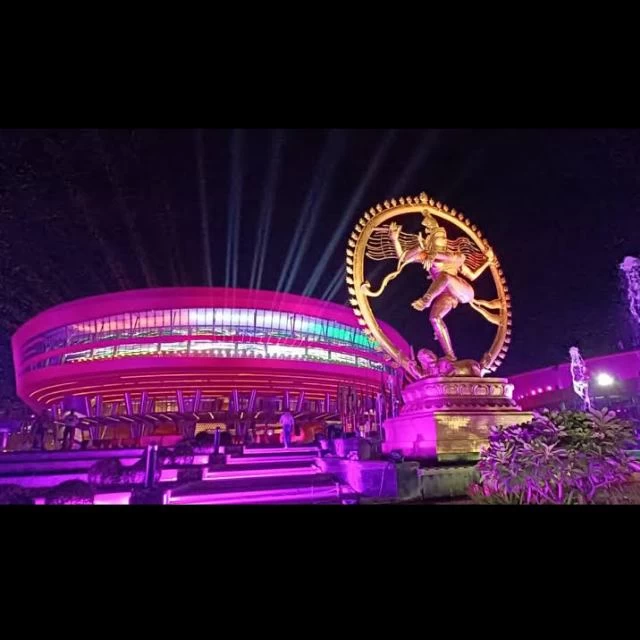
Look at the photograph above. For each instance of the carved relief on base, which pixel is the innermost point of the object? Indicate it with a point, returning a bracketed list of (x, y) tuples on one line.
[(450, 418), (446, 434), (467, 393)]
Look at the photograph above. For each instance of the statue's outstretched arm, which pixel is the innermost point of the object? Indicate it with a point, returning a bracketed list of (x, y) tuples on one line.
[(417, 254), (473, 275), (394, 233), (405, 257)]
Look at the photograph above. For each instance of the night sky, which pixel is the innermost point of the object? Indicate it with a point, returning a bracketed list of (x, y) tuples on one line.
[(84, 212)]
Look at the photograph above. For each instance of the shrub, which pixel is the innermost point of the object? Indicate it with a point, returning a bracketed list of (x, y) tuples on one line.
[(189, 474), (70, 492), (184, 451), (566, 457), (205, 442), (205, 439), (14, 494), (105, 472), (147, 496), (135, 473)]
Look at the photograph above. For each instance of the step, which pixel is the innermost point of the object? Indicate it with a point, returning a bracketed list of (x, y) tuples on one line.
[(255, 484), (74, 454), (290, 495), (51, 466), (268, 459), (258, 451), (261, 472)]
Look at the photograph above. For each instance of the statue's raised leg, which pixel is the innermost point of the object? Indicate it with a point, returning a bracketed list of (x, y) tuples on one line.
[(459, 289)]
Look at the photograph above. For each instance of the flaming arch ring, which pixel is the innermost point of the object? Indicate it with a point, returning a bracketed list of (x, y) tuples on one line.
[(356, 281)]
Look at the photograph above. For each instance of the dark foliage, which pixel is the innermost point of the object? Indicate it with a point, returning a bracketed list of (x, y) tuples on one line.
[(14, 494), (70, 492), (565, 457)]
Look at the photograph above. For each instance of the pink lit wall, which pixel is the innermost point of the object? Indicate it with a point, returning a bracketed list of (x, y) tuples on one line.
[(533, 387)]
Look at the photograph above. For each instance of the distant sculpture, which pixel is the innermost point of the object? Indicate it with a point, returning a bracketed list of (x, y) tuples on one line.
[(630, 268), (580, 377)]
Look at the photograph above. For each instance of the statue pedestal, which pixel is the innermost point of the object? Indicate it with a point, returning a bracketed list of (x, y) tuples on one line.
[(449, 418)]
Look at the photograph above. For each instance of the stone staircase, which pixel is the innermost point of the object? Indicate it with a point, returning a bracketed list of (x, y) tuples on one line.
[(265, 476)]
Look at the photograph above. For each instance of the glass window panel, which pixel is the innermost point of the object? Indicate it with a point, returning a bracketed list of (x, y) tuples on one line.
[(103, 352), (173, 347), (234, 317), (275, 322), (202, 345), (283, 350), (267, 322), (77, 355), (321, 354), (343, 357), (225, 345)]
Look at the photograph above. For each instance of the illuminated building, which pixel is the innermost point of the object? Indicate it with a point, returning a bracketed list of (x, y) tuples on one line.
[(158, 355), (615, 383)]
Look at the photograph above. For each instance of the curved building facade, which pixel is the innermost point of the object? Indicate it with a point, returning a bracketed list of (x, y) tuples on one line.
[(614, 383), (192, 350)]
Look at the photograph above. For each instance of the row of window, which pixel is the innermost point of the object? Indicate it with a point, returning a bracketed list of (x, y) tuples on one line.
[(202, 321), (208, 348)]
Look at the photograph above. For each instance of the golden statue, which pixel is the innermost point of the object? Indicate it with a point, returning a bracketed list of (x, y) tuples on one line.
[(451, 265)]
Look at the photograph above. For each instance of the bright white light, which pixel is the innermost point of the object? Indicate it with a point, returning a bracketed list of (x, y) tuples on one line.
[(604, 380)]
